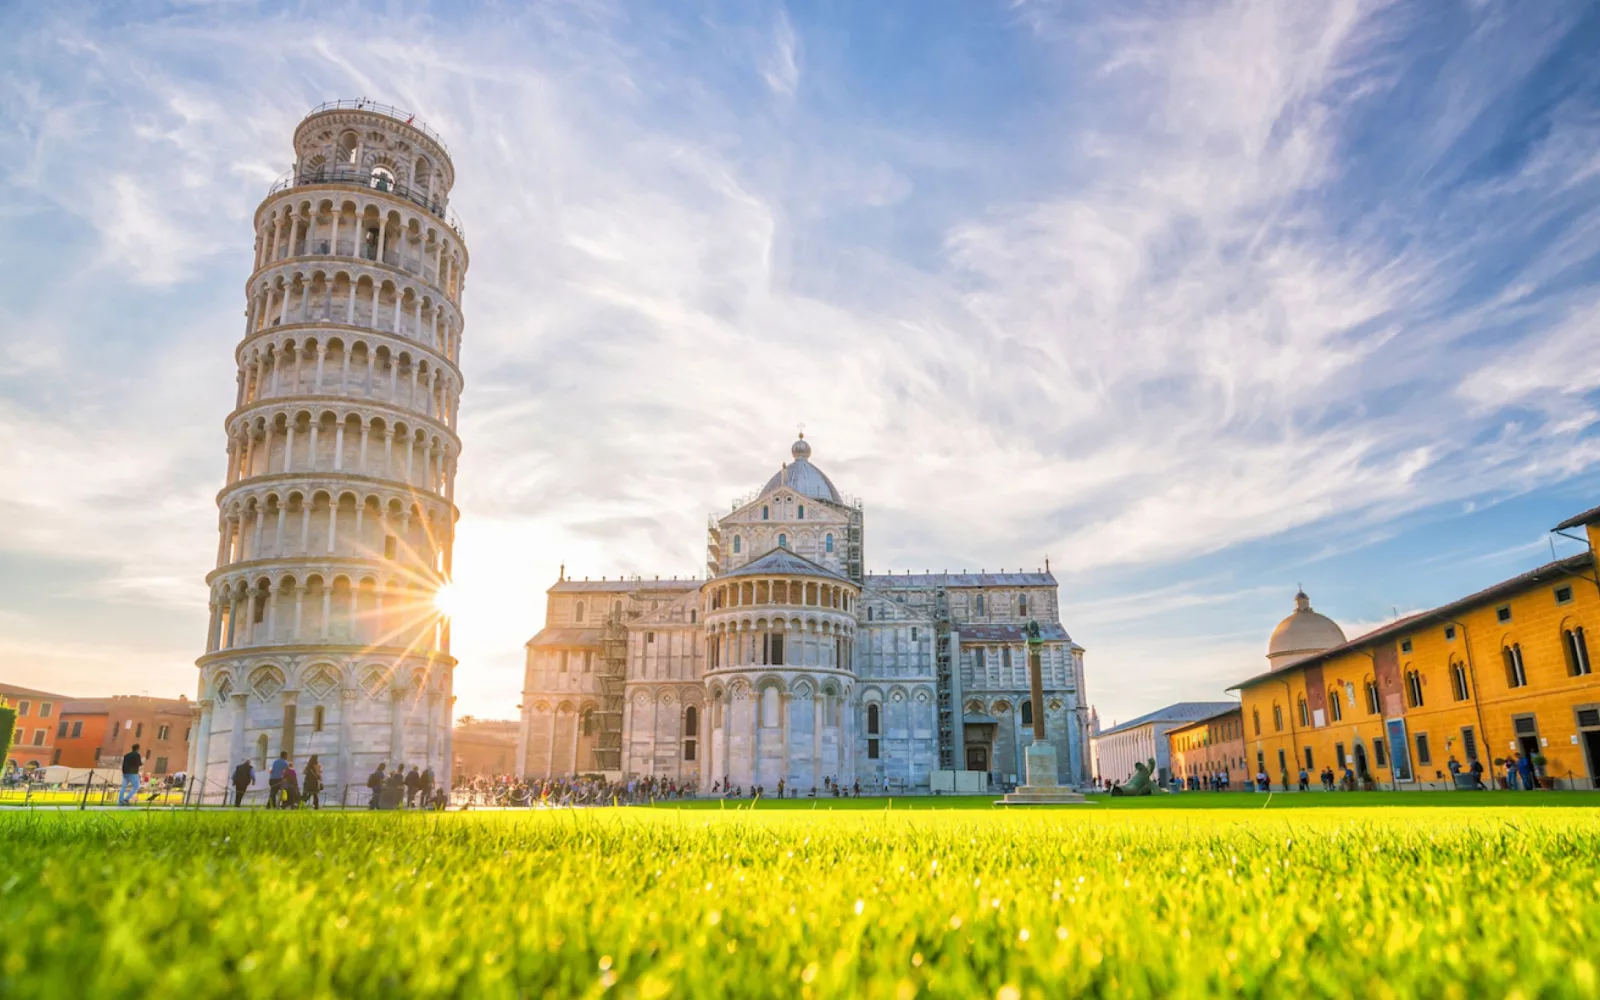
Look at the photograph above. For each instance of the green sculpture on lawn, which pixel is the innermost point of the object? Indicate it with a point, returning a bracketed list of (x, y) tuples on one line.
[(1140, 783)]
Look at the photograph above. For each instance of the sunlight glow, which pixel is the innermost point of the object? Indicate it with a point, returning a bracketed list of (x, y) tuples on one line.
[(448, 599)]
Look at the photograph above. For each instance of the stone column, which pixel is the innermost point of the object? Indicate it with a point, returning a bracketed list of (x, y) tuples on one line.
[(347, 711), (291, 711), (433, 728), (550, 751), (397, 732), (202, 751), (816, 739), (755, 737), (236, 747), (522, 739)]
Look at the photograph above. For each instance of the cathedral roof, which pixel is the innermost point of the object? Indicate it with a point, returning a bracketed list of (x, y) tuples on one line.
[(782, 562), (1049, 631), (566, 637), (893, 581), (621, 586), (803, 477)]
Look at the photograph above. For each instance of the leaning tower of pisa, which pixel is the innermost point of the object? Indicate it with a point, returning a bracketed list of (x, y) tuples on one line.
[(337, 513)]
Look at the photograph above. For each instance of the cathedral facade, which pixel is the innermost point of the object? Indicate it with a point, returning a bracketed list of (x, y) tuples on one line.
[(787, 662)]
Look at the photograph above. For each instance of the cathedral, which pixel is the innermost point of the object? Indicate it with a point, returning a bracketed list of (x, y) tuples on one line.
[(787, 662)]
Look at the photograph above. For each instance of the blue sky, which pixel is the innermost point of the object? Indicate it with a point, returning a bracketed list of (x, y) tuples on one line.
[(1201, 301)]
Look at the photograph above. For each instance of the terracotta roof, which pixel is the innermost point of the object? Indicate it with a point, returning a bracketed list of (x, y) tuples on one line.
[(1443, 613), (1205, 721), (1587, 517)]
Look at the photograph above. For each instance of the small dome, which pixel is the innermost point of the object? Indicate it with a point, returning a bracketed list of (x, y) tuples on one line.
[(1302, 633), (803, 477)]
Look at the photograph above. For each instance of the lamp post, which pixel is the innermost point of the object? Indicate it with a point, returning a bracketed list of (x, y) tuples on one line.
[(1043, 785)]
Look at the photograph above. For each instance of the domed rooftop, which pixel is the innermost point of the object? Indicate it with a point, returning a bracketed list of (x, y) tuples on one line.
[(803, 477), (1301, 634)]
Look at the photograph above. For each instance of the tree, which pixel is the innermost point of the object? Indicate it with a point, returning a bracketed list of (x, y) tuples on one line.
[(8, 729), (464, 721)]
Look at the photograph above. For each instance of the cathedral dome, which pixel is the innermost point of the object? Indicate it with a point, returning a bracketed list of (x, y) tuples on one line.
[(803, 477), (1302, 633)]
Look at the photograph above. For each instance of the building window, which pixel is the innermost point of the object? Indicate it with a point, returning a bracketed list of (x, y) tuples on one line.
[(869, 612), (1577, 651), (1277, 717), (913, 633), (138, 731), (1305, 712), (872, 749), (39, 735), (161, 765), (1283, 762), (577, 612), (1449, 633), (649, 637), (1338, 754), (1335, 710), (1458, 682), (588, 722), (1309, 766), (827, 543), (1374, 705), (1380, 753), (692, 613), (980, 604), (1516, 673), (77, 729), (873, 719), (691, 730), (317, 716), (44, 709), (1255, 717), (736, 542), (1005, 657), (777, 649), (1469, 742), (1424, 755), (1405, 645), (1413, 689), (1503, 614), (801, 510), (1022, 605), (22, 708), (764, 514), (564, 661), (1027, 713), (783, 540), (163, 733), (1564, 594), (390, 547), (61, 730)]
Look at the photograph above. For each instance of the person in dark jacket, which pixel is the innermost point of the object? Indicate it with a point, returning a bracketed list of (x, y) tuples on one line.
[(1525, 771), (243, 777), (131, 763), (375, 782), (427, 784), (311, 787), (413, 786)]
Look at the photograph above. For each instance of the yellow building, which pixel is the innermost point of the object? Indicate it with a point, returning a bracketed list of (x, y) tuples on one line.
[(1502, 672)]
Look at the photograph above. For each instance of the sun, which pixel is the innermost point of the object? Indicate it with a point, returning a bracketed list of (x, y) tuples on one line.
[(447, 599)]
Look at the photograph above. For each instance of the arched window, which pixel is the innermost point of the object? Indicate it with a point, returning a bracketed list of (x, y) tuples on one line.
[(577, 612), (827, 543), (1516, 673), (1577, 650), (616, 610), (261, 752), (382, 179), (736, 543), (980, 604), (588, 722), (1277, 717), (1022, 605), (1374, 704), (1335, 710), (1414, 688), (764, 513), (802, 511), (691, 730), (1255, 717), (317, 719), (1305, 713), (783, 540), (1458, 682), (348, 144), (1027, 713), (872, 719)]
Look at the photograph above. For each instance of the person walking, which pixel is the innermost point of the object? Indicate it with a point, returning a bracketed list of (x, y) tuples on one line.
[(131, 763), (290, 786), (311, 787), (375, 785), (275, 779), (1511, 773), (1525, 772), (428, 781), (1477, 775), (1305, 780), (413, 786), (243, 777)]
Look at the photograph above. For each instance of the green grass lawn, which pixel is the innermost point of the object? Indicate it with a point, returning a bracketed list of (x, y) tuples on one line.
[(1185, 800), (1493, 899)]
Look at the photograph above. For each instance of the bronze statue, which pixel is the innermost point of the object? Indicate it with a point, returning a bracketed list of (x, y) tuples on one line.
[(1140, 783)]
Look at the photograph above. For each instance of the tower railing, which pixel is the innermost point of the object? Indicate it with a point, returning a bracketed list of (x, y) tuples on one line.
[(356, 177), (400, 115)]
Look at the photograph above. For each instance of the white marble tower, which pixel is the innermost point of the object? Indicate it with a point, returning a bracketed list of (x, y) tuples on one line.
[(337, 512)]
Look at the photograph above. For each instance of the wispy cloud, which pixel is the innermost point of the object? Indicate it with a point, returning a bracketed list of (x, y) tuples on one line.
[(1139, 288)]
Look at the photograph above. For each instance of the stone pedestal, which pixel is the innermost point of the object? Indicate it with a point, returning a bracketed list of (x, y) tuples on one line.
[(1042, 788)]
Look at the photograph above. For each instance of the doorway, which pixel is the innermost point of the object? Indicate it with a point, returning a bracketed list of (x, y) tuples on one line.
[(1361, 763), (977, 757)]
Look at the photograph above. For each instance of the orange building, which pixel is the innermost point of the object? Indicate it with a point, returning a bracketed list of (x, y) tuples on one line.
[(484, 748), (1502, 672), (33, 744), (1210, 746), (82, 731)]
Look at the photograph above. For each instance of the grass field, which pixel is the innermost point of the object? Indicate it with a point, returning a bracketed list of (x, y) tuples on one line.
[(1480, 899)]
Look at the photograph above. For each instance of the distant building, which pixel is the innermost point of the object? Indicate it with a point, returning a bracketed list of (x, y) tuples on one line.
[(1210, 746), (96, 732), (484, 747), (33, 744), (1506, 671), (1119, 748)]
